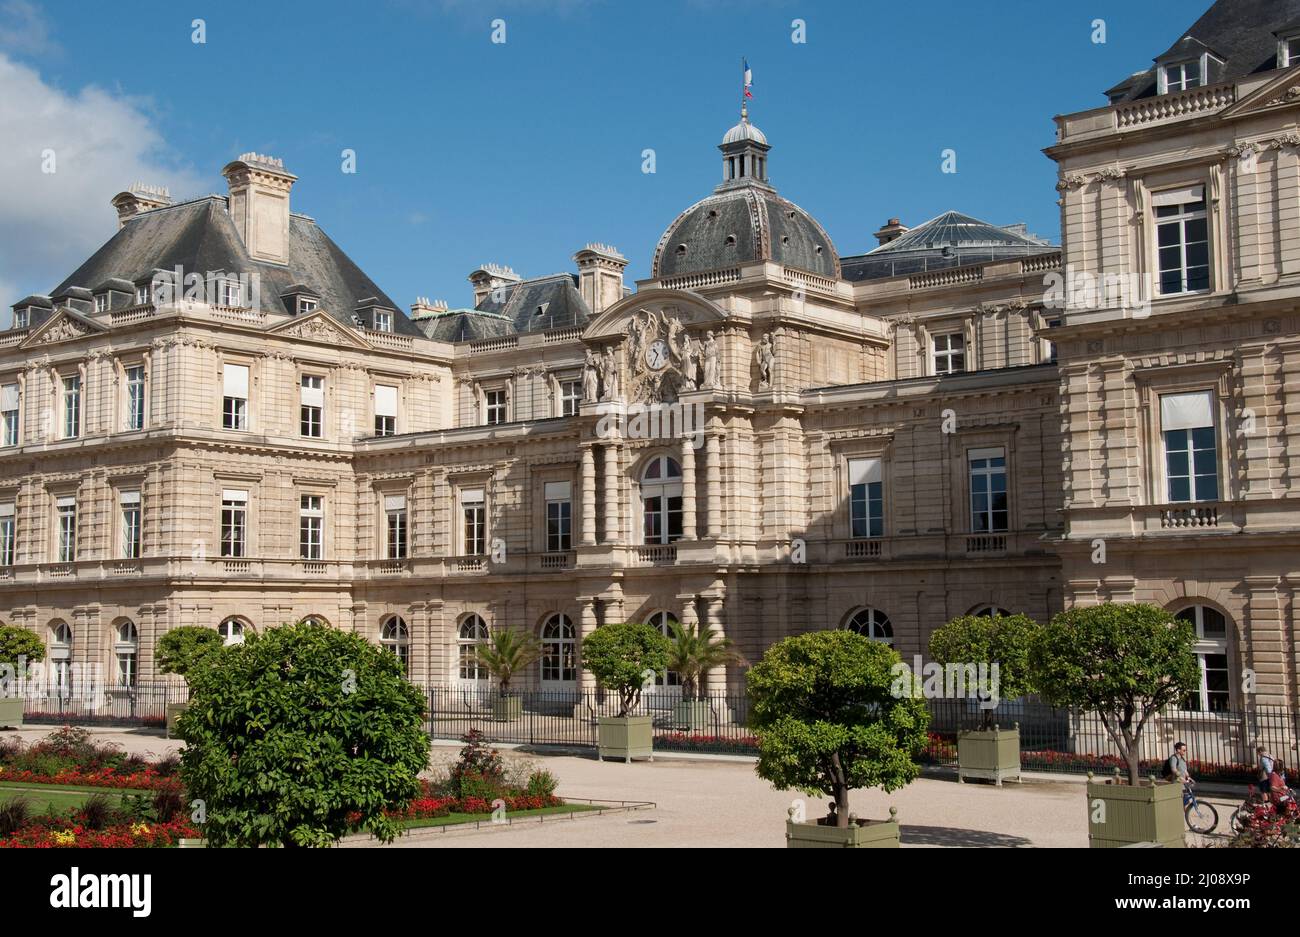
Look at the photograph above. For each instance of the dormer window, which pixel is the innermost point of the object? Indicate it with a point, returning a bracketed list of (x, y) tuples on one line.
[(143, 294), (1288, 51), (101, 302), (1180, 76), (383, 321), (306, 305), (22, 318), (229, 293)]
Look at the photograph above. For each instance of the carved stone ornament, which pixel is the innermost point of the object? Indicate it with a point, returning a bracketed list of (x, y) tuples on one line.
[(318, 328), (62, 331), (663, 360)]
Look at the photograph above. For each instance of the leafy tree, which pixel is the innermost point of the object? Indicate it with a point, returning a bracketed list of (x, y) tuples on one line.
[(182, 649), (508, 653), (1123, 662), (828, 720), (1004, 640), (619, 657), (299, 735), (16, 642), (692, 653)]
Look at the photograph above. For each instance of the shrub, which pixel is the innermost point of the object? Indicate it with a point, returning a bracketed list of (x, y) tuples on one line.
[(182, 649), (477, 759), (169, 804), (620, 656), (1003, 640), (541, 783), (14, 815), (97, 812), (19, 643)]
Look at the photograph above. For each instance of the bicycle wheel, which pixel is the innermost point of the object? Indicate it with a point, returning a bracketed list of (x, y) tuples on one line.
[(1201, 817), (1240, 820)]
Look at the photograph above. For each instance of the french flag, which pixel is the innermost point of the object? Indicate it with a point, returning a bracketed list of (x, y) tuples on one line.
[(749, 78)]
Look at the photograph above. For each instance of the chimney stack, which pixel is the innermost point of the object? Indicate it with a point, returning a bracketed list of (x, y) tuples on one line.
[(600, 276), (259, 205), (892, 231), (423, 308), (139, 198), (491, 277)]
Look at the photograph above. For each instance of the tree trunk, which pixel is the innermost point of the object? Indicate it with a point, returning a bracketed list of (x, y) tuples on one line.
[(841, 806), (1134, 765)]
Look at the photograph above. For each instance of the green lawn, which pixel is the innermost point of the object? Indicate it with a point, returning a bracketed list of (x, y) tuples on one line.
[(59, 796), (455, 818)]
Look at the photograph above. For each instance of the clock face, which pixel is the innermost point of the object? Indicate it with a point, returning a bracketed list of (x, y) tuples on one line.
[(656, 356)]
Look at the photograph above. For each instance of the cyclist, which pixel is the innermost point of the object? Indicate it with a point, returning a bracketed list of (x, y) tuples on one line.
[(1265, 762), (1176, 765)]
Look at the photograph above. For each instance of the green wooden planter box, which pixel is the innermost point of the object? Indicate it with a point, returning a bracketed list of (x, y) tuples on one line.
[(508, 708), (692, 715), (868, 834), (173, 711), (186, 843), (625, 737), (11, 712), (989, 755), (1149, 813)]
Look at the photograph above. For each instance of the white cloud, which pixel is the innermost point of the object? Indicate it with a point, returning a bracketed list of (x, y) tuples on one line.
[(24, 29), (101, 142)]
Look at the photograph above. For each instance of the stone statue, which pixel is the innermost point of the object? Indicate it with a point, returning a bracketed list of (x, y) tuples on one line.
[(591, 377), (637, 333), (690, 355), (712, 376), (765, 355), (611, 375)]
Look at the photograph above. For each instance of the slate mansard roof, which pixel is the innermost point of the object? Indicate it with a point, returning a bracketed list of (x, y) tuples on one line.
[(1241, 33), (536, 305), (200, 237), (950, 240)]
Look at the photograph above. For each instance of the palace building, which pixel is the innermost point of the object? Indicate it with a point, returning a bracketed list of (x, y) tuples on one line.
[(218, 419)]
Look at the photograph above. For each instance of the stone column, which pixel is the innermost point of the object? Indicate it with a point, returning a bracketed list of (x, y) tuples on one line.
[(715, 681), (713, 481), (586, 625), (611, 494), (688, 489), (588, 497)]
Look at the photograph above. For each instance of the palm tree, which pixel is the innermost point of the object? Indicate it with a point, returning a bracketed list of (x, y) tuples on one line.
[(692, 653), (507, 653)]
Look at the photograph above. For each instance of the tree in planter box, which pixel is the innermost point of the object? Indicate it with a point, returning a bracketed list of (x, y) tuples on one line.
[(827, 718), (507, 654), (1123, 662), (19, 645), (693, 652), (620, 655), (186, 648), (298, 731), (1004, 640)]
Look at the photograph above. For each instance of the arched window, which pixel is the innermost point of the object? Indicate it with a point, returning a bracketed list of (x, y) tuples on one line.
[(990, 611), (661, 500), (1214, 694), (473, 632), (60, 654), (126, 650), (872, 624), (395, 637), (663, 621), (231, 631), (559, 653), (315, 620)]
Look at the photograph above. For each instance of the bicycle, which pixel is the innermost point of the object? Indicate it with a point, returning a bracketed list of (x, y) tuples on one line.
[(1201, 816)]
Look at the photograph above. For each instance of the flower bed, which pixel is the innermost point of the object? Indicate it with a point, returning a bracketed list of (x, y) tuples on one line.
[(47, 832), (147, 780), (717, 744)]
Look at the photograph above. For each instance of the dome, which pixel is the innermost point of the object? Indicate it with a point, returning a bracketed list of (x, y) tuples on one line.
[(744, 224), (744, 131)]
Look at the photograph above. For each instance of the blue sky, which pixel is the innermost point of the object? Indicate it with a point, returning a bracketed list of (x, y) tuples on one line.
[(520, 153)]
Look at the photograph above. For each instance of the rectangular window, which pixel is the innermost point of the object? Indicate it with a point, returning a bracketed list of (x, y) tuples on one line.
[(130, 501), (385, 410), (1191, 450), (230, 292), (559, 517), (1182, 240), (67, 508), (313, 405), (22, 318), (949, 353), (383, 322), (234, 403), (570, 397), (135, 397), (1182, 76), (311, 523), (101, 302), (143, 294), (71, 407), (9, 415), (988, 490), (1290, 52), (395, 513), (866, 499), (496, 407), (305, 306), (234, 522), (474, 531), (8, 538)]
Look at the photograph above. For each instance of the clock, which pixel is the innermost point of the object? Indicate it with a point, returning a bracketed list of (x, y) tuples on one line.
[(656, 356)]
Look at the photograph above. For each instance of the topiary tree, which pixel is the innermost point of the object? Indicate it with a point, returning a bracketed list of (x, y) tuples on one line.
[(620, 655), (693, 652), (827, 718), (182, 649), (19, 645), (506, 654), (1004, 640), (300, 735), (1123, 662)]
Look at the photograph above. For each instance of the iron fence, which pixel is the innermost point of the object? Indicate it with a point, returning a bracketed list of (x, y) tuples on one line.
[(144, 704)]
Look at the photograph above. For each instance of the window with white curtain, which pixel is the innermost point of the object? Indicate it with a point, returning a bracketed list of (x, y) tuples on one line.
[(866, 499), (130, 504), (234, 401), (9, 399), (385, 410), (395, 526), (1191, 449), (312, 405)]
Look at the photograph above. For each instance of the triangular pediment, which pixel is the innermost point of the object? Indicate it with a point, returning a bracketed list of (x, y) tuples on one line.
[(320, 326), (690, 309), (64, 326), (1281, 92)]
